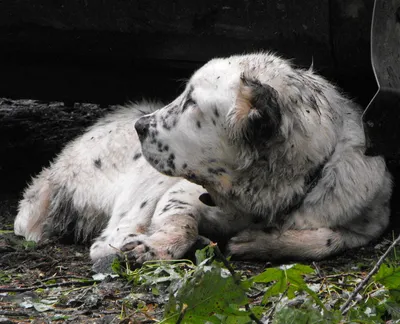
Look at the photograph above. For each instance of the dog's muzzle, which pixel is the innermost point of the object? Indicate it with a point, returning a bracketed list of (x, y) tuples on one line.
[(142, 127)]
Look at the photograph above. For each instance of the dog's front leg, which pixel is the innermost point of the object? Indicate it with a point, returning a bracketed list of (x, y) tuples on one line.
[(173, 229), (172, 237), (307, 244)]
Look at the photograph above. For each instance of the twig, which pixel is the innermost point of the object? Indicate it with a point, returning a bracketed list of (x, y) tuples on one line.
[(182, 314), (334, 276), (60, 284), (64, 277), (272, 311), (226, 263), (318, 270), (13, 313), (345, 307)]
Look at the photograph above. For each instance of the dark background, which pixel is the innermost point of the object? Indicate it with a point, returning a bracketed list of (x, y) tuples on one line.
[(63, 53)]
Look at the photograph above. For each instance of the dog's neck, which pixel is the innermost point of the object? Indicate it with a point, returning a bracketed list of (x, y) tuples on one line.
[(244, 194)]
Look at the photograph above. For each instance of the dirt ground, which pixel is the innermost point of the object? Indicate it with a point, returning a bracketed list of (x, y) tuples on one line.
[(54, 282)]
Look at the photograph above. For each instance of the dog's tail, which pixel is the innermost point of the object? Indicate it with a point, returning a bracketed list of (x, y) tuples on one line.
[(34, 208)]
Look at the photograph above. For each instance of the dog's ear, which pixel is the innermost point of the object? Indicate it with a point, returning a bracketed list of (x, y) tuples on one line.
[(257, 110)]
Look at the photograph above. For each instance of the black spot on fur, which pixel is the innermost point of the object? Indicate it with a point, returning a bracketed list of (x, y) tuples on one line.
[(216, 171), (166, 148), (97, 163), (132, 235), (170, 161), (165, 124), (166, 208), (328, 242), (161, 182), (216, 112), (144, 203), (198, 124), (177, 201), (167, 172), (214, 122), (137, 156), (313, 103), (184, 165)]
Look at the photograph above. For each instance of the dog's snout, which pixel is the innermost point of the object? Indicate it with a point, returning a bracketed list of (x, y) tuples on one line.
[(142, 127)]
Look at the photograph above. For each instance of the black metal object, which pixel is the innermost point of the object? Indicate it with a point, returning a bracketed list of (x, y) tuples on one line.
[(382, 116)]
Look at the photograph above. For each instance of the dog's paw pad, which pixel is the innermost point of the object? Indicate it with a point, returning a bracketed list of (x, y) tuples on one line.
[(145, 249)]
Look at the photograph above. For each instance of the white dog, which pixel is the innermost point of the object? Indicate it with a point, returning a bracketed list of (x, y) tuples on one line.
[(277, 149)]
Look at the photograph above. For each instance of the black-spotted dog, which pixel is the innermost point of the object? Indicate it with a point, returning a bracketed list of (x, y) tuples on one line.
[(277, 149)]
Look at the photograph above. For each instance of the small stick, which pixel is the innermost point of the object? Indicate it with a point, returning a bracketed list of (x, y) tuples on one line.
[(64, 277), (182, 314), (345, 307), (60, 284), (318, 270)]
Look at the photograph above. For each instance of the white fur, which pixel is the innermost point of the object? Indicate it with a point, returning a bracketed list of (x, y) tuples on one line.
[(252, 156)]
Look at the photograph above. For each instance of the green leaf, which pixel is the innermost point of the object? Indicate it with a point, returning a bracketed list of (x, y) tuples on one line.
[(287, 278), (209, 294), (310, 315), (209, 291), (388, 276), (268, 275)]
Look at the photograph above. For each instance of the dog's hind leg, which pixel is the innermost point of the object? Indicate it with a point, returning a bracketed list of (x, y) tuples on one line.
[(33, 209)]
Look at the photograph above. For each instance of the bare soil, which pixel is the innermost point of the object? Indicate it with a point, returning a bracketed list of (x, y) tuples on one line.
[(53, 281)]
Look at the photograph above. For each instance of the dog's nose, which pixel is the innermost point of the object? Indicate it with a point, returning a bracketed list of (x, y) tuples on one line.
[(142, 127)]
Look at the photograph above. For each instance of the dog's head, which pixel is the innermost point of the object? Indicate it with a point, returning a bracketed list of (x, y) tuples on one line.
[(241, 121)]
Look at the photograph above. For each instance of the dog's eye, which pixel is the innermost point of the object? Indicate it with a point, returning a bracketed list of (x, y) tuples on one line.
[(188, 103), (191, 102)]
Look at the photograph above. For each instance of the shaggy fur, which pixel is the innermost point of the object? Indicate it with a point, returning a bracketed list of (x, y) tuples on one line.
[(278, 149)]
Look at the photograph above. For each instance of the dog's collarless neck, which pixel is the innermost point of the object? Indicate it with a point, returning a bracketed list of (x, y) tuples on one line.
[(311, 181)]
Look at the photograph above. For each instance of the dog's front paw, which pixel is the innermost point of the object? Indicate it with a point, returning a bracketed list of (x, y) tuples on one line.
[(158, 246), (141, 248)]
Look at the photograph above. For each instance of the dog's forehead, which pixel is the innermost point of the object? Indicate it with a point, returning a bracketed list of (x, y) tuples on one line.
[(218, 73)]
